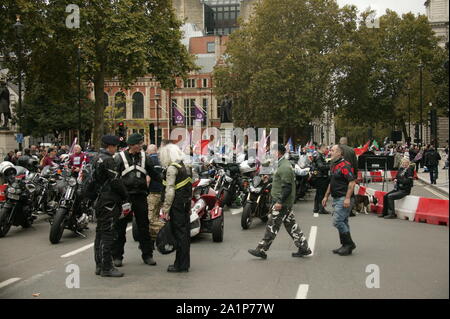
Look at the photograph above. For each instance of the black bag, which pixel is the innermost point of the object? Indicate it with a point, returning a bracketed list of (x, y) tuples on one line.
[(165, 241)]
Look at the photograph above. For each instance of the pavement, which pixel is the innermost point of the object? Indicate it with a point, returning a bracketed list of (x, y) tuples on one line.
[(393, 259)]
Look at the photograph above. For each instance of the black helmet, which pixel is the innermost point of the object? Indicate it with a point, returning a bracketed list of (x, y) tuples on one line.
[(33, 164)]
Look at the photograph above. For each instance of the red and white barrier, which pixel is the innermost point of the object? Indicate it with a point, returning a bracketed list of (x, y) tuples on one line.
[(377, 176), (412, 208)]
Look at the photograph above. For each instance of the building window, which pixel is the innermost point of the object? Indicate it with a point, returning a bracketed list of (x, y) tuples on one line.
[(189, 111), (189, 83), (221, 16), (211, 47), (105, 99), (138, 105), (205, 83), (120, 105)]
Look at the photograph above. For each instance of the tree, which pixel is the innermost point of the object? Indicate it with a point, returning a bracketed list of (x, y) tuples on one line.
[(122, 39), (280, 64)]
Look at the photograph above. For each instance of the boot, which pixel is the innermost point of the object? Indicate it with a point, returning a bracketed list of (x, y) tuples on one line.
[(112, 272), (118, 262), (303, 250), (391, 210), (349, 245), (335, 251), (172, 268), (257, 253), (150, 261)]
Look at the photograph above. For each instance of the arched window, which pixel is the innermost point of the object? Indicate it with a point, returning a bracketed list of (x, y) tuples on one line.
[(120, 103), (105, 99), (138, 105)]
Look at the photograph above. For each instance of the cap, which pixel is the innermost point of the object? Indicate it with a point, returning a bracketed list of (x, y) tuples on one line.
[(135, 138), (110, 140)]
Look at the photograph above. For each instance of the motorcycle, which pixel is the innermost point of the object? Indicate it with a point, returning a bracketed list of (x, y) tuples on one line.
[(46, 196), (17, 209), (258, 202), (228, 184), (206, 210), (69, 213)]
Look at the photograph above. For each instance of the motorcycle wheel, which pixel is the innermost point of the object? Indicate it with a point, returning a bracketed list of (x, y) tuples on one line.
[(217, 229), (135, 230), (246, 218), (58, 225), (4, 225)]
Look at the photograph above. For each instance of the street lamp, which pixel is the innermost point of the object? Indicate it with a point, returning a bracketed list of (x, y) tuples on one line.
[(408, 89), (79, 97), (19, 28), (421, 101)]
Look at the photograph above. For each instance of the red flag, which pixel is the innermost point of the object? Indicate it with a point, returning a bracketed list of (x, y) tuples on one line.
[(361, 150), (201, 147)]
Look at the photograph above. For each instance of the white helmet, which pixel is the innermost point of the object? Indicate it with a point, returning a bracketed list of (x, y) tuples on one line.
[(7, 168), (64, 157), (245, 167)]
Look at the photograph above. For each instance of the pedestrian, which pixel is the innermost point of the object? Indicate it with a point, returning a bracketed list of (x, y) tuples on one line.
[(107, 210), (283, 197), (10, 157), (76, 159), (341, 189), (446, 157), (402, 188), (133, 167), (321, 179), (432, 159), (155, 191), (50, 158), (349, 154), (177, 203)]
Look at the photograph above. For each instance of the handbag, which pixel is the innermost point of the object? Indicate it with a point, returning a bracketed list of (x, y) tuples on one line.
[(165, 241)]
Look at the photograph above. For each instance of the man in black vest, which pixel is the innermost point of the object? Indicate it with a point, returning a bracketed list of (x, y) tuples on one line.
[(134, 166)]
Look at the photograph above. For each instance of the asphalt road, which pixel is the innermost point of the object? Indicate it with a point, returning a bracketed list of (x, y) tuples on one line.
[(411, 260)]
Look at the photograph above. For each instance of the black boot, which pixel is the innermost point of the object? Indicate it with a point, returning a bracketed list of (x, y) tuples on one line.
[(150, 261), (112, 272), (349, 245), (335, 251), (258, 253), (390, 210), (303, 250)]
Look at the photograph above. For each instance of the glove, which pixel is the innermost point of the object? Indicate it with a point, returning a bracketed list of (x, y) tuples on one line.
[(126, 210)]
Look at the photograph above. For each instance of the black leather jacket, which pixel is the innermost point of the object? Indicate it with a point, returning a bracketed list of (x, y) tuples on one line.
[(405, 179), (321, 166), (107, 178), (136, 181)]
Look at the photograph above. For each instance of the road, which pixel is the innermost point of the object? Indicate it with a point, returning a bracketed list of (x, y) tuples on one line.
[(411, 261)]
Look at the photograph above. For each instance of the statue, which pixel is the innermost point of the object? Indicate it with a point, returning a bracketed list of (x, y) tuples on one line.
[(4, 105), (226, 115)]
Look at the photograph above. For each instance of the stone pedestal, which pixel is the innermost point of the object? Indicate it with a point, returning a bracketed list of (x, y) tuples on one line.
[(7, 143)]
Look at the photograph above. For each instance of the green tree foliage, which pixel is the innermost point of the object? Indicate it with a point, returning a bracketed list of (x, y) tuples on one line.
[(122, 39)]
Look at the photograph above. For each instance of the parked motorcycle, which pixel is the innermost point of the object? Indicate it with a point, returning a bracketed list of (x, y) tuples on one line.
[(258, 202), (17, 209), (69, 213), (206, 212), (228, 184)]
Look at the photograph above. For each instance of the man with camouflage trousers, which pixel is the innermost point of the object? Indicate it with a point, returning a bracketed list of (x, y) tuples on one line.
[(283, 196), (154, 198)]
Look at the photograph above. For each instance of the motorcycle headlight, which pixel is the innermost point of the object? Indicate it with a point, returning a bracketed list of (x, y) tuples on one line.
[(256, 181), (11, 190), (255, 189), (72, 182), (228, 179)]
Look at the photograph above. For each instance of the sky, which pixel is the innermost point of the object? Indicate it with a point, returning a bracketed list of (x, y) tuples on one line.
[(400, 6)]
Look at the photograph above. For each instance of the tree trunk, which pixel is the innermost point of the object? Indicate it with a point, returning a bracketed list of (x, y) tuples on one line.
[(99, 84)]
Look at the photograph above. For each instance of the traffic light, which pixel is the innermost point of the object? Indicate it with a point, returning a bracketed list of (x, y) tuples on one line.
[(122, 134)]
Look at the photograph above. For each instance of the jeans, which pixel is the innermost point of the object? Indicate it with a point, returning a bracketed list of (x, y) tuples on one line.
[(340, 214), (433, 173)]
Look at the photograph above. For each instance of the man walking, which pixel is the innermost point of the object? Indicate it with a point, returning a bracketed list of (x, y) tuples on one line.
[(341, 189), (322, 179), (283, 195), (432, 159), (154, 198)]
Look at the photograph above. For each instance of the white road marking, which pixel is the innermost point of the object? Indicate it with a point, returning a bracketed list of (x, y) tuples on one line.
[(79, 250), (8, 282), (435, 192), (302, 291), (316, 214), (312, 239), (236, 212)]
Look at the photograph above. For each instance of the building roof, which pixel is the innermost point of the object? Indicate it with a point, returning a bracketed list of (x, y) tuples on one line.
[(206, 62)]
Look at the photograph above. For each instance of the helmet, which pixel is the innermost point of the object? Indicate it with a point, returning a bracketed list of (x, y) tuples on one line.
[(246, 167), (7, 168), (33, 164), (64, 157)]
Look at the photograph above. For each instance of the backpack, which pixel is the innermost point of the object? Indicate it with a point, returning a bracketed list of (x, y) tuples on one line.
[(165, 241)]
